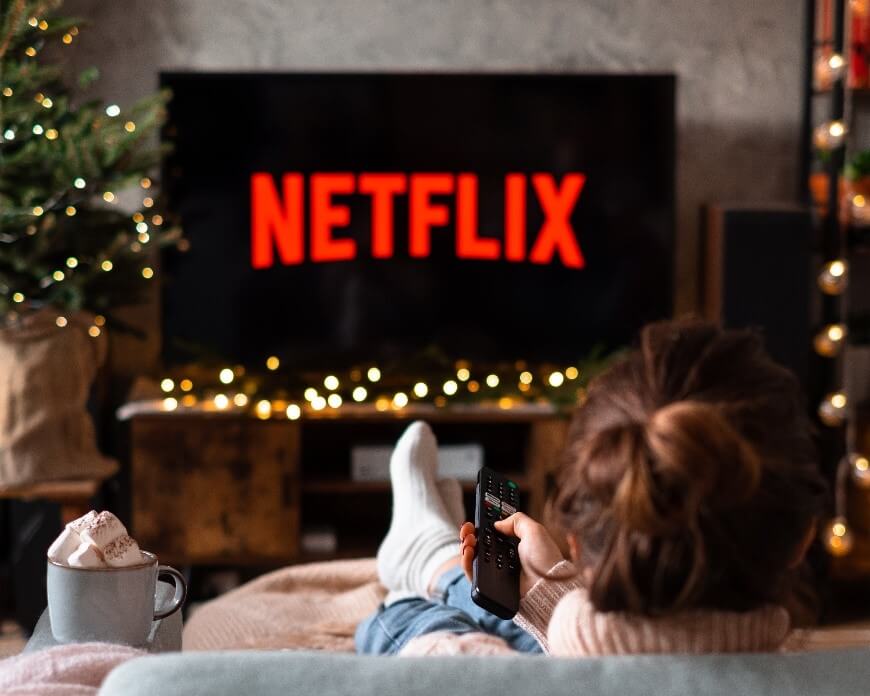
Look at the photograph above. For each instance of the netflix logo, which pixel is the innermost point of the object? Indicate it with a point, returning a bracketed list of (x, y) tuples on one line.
[(281, 212)]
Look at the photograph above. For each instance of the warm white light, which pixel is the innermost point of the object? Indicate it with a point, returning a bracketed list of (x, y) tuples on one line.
[(836, 129), (420, 390), (400, 400), (113, 110), (318, 403), (334, 401), (556, 379), (18, 297), (331, 382), (374, 374), (72, 262), (838, 400), (147, 272), (492, 380), (61, 321), (572, 372), (106, 265), (360, 394), (450, 387), (310, 394), (167, 385), (170, 403), (463, 374), (221, 402), (141, 227), (58, 276), (263, 409), (109, 197), (294, 412), (186, 385), (38, 130), (9, 134), (525, 377), (226, 375), (79, 183), (94, 331), (272, 363)]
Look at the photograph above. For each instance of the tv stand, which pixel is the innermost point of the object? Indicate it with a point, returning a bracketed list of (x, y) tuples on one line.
[(224, 488)]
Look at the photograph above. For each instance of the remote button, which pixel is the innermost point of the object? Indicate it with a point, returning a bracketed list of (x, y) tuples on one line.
[(509, 509), (512, 484), (511, 553), (490, 498), (512, 566), (487, 539)]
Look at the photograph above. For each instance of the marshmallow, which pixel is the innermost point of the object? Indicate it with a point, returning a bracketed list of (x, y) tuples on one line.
[(103, 530), (70, 538), (123, 551), (86, 556)]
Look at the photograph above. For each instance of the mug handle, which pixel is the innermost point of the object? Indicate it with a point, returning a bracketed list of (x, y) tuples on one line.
[(180, 591)]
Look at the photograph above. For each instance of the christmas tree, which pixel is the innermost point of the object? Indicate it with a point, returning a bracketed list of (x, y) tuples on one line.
[(65, 240)]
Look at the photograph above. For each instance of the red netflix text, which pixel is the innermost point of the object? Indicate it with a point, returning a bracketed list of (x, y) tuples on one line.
[(278, 216)]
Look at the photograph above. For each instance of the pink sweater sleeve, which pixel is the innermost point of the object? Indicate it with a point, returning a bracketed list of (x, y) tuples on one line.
[(536, 608)]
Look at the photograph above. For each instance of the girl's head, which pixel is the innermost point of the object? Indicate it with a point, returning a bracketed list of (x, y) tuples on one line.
[(689, 479)]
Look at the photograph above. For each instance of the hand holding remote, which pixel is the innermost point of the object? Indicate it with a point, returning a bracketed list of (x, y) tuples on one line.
[(537, 550)]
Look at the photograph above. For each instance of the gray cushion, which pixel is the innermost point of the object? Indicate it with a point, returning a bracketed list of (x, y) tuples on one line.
[(254, 673)]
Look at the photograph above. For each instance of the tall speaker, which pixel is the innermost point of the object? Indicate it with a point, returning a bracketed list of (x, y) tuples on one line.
[(757, 272)]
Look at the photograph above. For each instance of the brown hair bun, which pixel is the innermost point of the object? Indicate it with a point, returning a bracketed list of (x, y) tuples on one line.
[(690, 477)]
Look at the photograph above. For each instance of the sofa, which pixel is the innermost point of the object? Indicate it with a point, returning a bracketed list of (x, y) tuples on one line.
[(292, 673)]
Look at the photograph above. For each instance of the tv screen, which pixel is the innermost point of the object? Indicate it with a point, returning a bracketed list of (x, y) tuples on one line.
[(335, 219)]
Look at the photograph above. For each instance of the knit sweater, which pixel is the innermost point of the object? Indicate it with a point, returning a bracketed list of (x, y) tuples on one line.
[(559, 614)]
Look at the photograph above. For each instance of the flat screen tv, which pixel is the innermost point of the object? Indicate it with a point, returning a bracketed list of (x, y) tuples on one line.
[(339, 218)]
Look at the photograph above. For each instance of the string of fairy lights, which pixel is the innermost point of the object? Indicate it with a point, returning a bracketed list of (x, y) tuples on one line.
[(234, 389), (830, 342)]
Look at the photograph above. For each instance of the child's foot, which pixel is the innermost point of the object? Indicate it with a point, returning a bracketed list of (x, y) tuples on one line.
[(422, 536)]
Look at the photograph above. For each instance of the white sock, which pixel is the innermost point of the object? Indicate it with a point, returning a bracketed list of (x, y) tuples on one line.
[(422, 535), (451, 495)]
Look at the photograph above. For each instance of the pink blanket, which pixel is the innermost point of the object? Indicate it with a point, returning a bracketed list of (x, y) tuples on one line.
[(66, 670)]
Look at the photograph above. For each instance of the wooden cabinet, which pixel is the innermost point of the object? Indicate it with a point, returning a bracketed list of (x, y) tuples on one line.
[(218, 488)]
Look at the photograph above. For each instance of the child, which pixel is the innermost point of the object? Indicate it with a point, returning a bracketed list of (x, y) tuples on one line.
[(688, 495)]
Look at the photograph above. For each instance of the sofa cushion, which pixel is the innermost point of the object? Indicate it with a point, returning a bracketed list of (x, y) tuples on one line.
[(258, 673)]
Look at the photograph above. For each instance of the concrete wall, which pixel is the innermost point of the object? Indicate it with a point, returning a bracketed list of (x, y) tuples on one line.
[(739, 65)]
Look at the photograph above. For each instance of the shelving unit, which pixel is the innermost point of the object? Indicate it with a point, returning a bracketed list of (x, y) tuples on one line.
[(228, 489)]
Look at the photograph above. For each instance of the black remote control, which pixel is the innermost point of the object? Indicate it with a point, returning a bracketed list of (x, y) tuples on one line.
[(495, 583)]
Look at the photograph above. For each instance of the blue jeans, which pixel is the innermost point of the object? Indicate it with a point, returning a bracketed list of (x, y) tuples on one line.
[(388, 630)]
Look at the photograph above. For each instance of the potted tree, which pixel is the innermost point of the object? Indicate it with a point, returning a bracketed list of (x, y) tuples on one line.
[(70, 252)]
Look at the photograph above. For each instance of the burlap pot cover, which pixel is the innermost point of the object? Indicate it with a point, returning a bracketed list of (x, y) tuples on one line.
[(46, 374)]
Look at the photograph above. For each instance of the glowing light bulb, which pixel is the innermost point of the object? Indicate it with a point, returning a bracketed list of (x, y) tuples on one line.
[(829, 341), (30, 51), (359, 394), (463, 374), (837, 537), (94, 331), (9, 134), (67, 38), (106, 265), (226, 375), (474, 386), (113, 110), (263, 409), (240, 399), (331, 382), (334, 400), (833, 277), (400, 400), (37, 210), (860, 469), (18, 297), (167, 385), (186, 385), (157, 220), (374, 374), (272, 363), (129, 126), (829, 136), (100, 320), (505, 403), (188, 400), (170, 403), (147, 272), (7, 92), (572, 372), (108, 196), (382, 404), (61, 321), (33, 21), (294, 412), (318, 403), (148, 202), (420, 390), (556, 379), (450, 387), (141, 226), (492, 380), (145, 182), (525, 377), (310, 394), (221, 402), (58, 276), (38, 130), (138, 217), (72, 262), (832, 410), (79, 183), (70, 210)]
